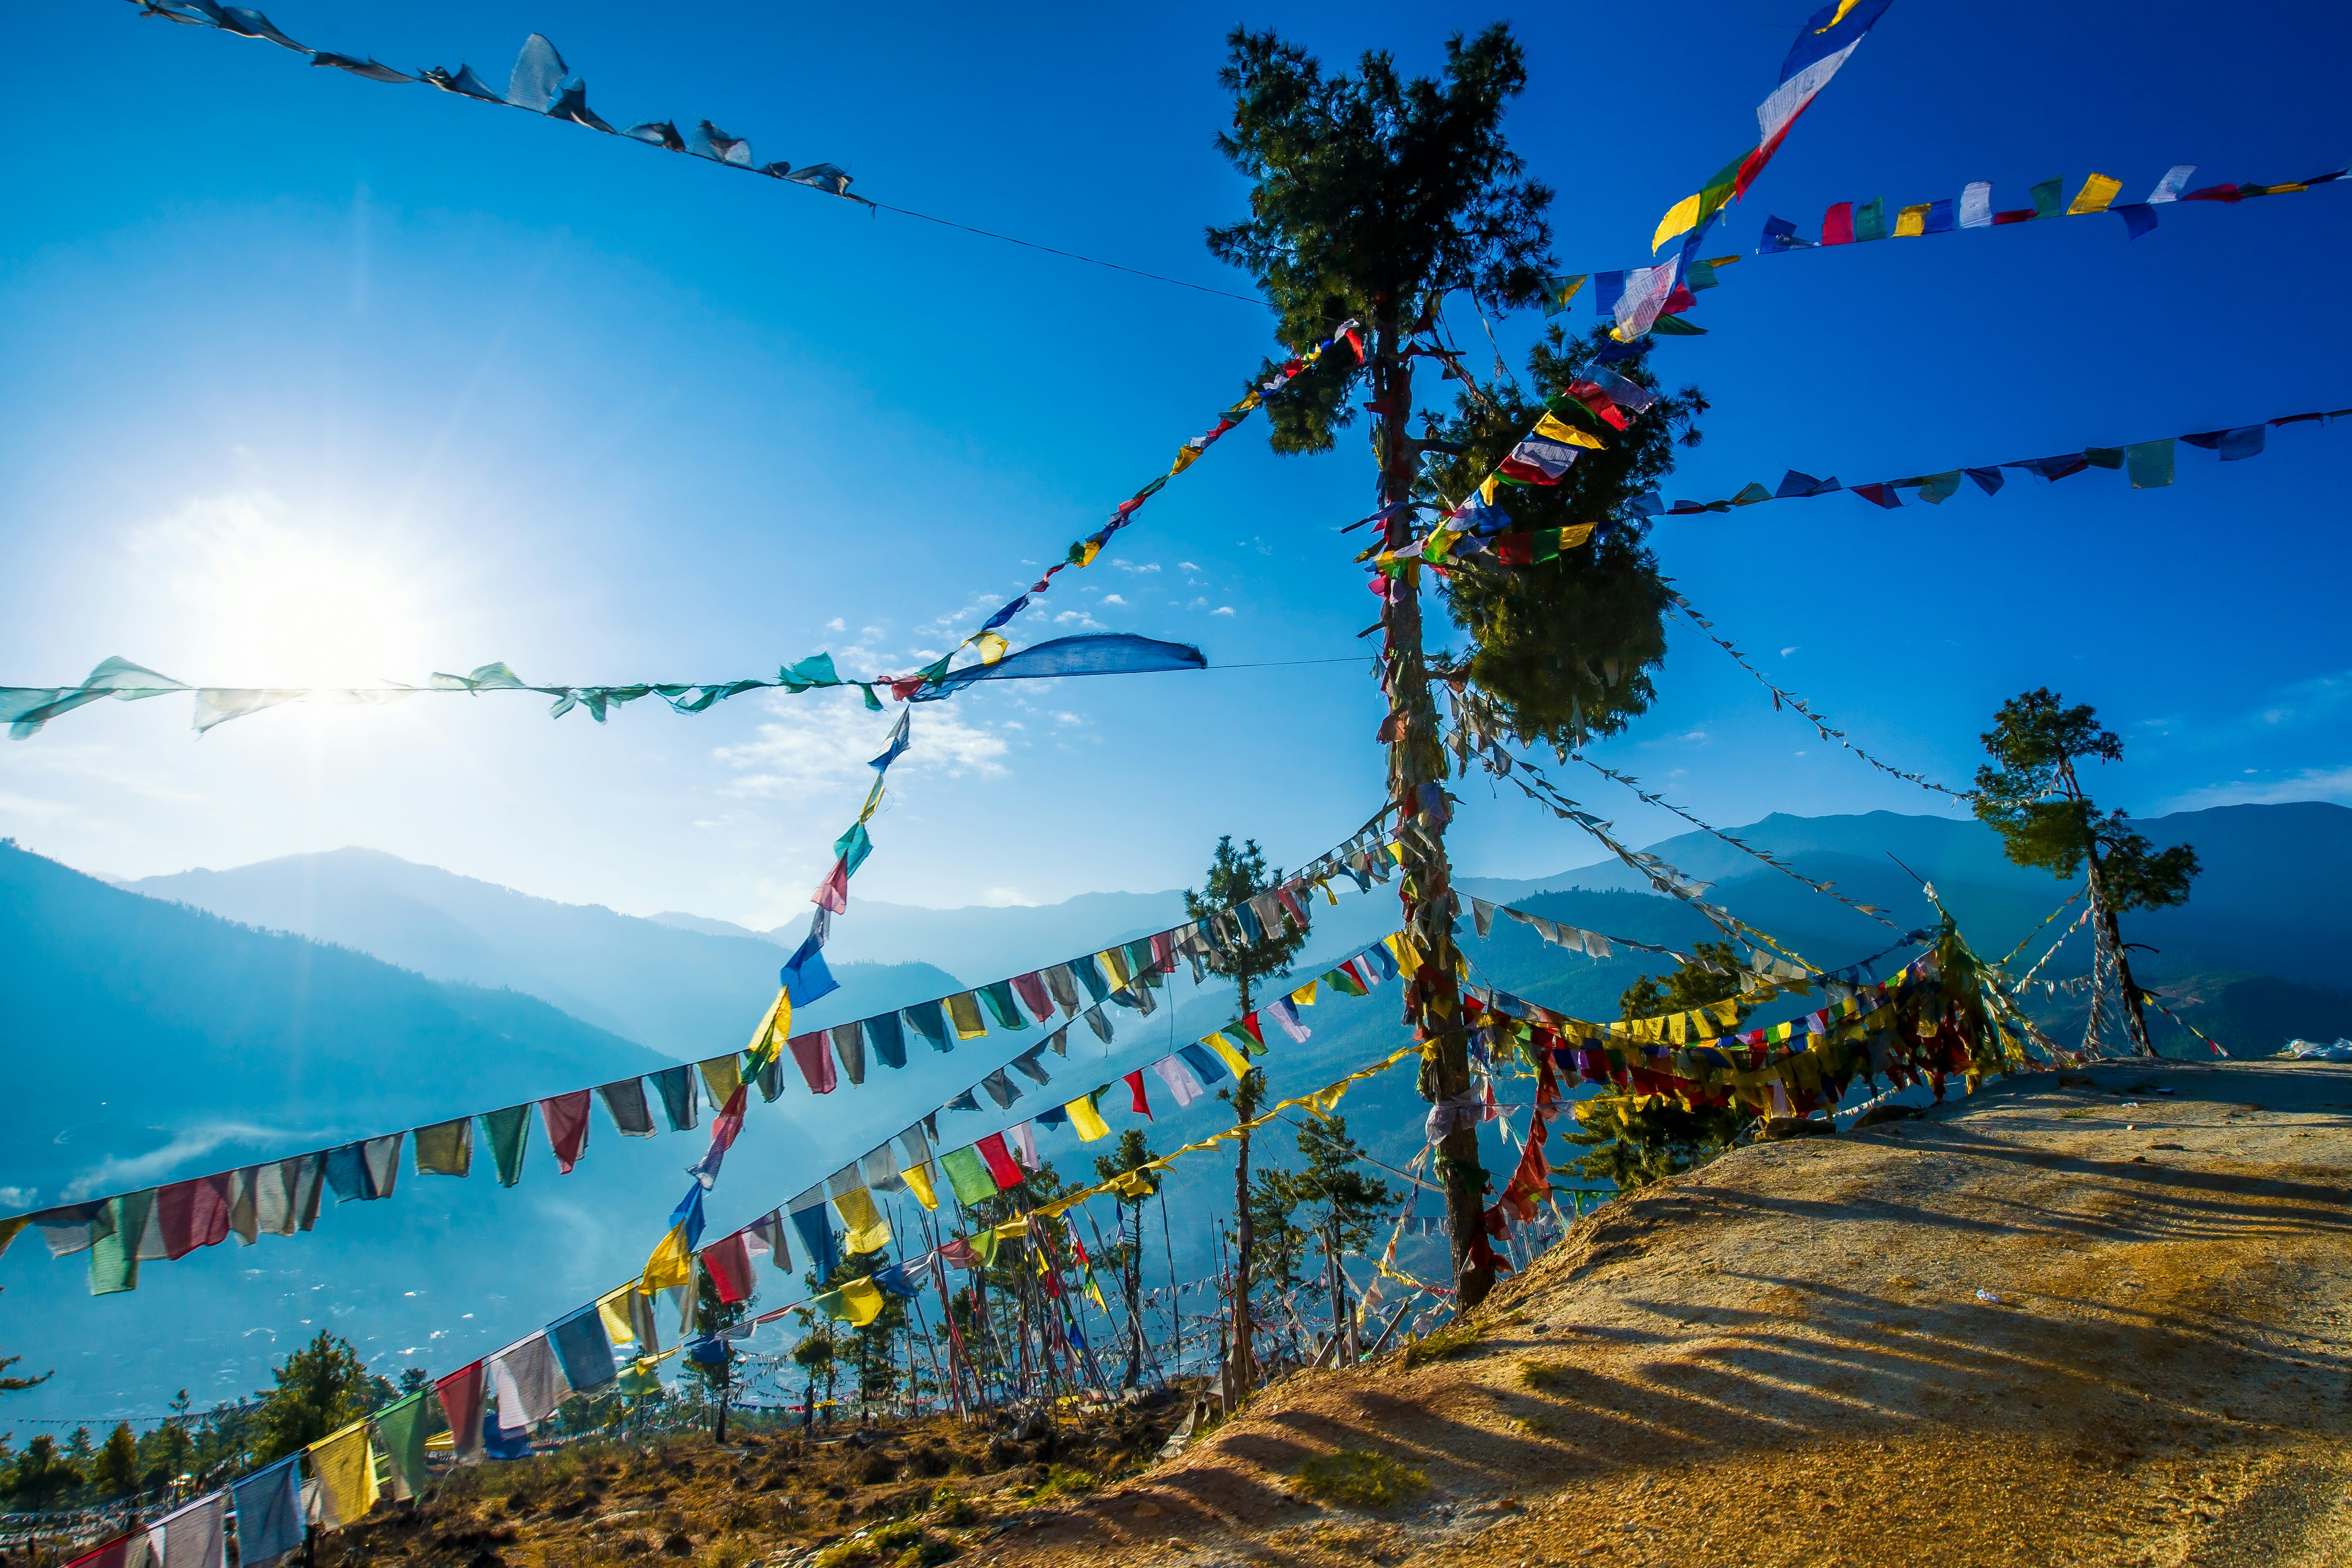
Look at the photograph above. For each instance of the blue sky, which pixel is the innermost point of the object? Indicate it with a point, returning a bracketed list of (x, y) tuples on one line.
[(313, 379)]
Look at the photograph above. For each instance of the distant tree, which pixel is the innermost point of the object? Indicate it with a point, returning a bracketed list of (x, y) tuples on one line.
[(175, 1445), (43, 1475), (1633, 1146), (1352, 1200), (1133, 1153), (816, 1356), (321, 1388), (117, 1471), (14, 1385), (81, 1450), (1278, 1246), (716, 1378), (1236, 876), (2031, 796)]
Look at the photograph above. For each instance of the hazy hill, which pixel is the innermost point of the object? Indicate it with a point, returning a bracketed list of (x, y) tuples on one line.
[(689, 994)]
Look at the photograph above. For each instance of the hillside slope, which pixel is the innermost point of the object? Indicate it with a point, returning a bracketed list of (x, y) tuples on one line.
[(1784, 1358)]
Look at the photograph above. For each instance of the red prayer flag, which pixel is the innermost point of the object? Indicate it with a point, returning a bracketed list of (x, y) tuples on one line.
[(1031, 987), (1516, 549), (1599, 402), (566, 1119), (1250, 1024), (1141, 1106), (1837, 224), (1681, 300), (729, 1264), (834, 891), (1879, 495), (2015, 214), (999, 1160), (815, 1061), (461, 1403), (193, 1214)]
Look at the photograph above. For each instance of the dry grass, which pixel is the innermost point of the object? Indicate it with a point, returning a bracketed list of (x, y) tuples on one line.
[(1353, 1479)]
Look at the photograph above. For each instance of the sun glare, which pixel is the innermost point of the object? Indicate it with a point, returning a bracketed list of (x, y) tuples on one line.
[(274, 601)]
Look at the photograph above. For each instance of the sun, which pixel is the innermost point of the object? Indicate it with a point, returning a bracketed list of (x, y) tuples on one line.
[(277, 601)]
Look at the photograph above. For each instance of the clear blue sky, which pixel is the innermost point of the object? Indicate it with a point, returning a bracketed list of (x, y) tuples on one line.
[(315, 379)]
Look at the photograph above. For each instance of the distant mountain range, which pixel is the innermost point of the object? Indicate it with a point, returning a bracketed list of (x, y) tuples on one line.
[(176, 1026)]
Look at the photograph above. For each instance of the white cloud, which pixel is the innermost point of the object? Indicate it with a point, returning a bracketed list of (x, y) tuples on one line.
[(116, 1174), (836, 624), (1223, 610), (1186, 566), (1149, 566), (1079, 618), (816, 745), (20, 1197), (1007, 899), (1789, 649), (1113, 599), (2309, 783)]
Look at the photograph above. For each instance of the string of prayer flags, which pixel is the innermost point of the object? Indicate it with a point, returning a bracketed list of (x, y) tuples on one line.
[(1082, 553), (540, 83), (1825, 42), (2146, 465), (1850, 223), (1781, 699), (25, 709)]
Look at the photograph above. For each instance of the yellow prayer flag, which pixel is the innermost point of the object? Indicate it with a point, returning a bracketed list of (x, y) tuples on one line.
[(2096, 192), (963, 1012), (1087, 1119), (1115, 960), (345, 1468), (613, 1312), (672, 1263), (1305, 995), (863, 1226), (1186, 456), (1096, 1292), (1225, 1053), (1011, 1229), (858, 1303), (1680, 219), (1488, 489), (919, 1181), (774, 1027), (1678, 1028), (873, 799), (1727, 1012), (1912, 222), (1408, 956), (1087, 552), (722, 1075), (991, 646), (1550, 426)]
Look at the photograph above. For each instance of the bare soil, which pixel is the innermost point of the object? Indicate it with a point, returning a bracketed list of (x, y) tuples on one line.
[(2099, 1321), (1784, 1357)]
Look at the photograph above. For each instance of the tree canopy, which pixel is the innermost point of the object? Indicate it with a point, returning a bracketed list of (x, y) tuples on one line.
[(2031, 794)]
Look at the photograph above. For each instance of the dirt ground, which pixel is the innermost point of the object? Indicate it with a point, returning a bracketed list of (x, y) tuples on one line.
[(2098, 1323)]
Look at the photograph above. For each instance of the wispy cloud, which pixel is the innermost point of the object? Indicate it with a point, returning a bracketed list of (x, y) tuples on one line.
[(116, 1172), (817, 745)]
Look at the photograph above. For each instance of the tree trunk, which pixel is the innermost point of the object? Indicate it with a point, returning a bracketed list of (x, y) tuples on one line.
[(2135, 1016), (718, 1433), (1238, 1368), (1337, 1283), (1426, 889)]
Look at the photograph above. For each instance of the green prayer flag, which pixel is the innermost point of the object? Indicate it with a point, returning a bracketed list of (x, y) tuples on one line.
[(1676, 327), (1090, 972), (853, 846), (998, 998), (1345, 984), (1700, 275), (968, 1175), (2103, 456), (401, 1426), (1139, 960), (814, 670), (114, 1256), (1546, 545), (508, 1131), (2149, 463), (1938, 489), (873, 704), (1870, 220), (2045, 197), (983, 1246)]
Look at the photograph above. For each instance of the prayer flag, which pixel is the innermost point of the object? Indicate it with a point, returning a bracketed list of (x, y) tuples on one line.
[(2176, 180), (508, 1131), (2096, 192), (729, 1264), (849, 1049), (1912, 221), (723, 1133), (963, 1012), (345, 1471), (1837, 224), (1087, 1118), (816, 1240), (1179, 1079), (999, 998), (1827, 41), (968, 1176), (2149, 463), (269, 1502), (1137, 1103), (624, 1103), (856, 1303), (816, 1062), (1975, 204), (1559, 292), (805, 976), (1870, 219), (679, 1105), (582, 1349), (1205, 1068), (566, 1117), (863, 1229), (1001, 1170)]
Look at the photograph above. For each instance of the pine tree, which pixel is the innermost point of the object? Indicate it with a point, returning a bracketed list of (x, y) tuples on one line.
[(116, 1474), (43, 1475), (2035, 800), (1134, 1152), (1236, 876), (321, 1388), (717, 1378), (1352, 1200), (816, 1356), (1374, 197)]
